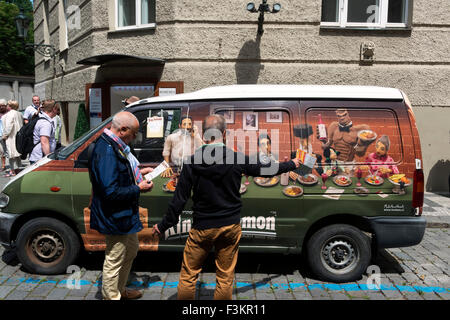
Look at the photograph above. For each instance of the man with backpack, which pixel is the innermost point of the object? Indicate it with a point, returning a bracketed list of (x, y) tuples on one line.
[(44, 131)]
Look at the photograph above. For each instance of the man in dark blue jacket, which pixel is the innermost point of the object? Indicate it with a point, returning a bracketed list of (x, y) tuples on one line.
[(116, 184), (214, 175)]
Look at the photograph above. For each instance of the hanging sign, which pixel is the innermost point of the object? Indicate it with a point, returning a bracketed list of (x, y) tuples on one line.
[(155, 126)]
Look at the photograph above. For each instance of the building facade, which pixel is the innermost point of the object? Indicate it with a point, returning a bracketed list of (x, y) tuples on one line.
[(19, 88), (109, 49)]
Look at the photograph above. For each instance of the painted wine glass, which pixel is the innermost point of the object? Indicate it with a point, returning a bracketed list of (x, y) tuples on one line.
[(359, 176), (324, 179)]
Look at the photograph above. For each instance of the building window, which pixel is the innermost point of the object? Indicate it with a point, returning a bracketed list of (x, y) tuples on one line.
[(132, 14), (368, 14)]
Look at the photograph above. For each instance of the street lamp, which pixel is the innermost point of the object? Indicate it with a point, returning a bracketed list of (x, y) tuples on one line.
[(22, 24), (263, 8)]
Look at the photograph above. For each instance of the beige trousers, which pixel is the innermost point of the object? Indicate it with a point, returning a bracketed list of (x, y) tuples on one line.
[(119, 255), (200, 242)]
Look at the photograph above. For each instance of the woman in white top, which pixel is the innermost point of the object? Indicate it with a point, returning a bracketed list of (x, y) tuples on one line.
[(12, 122)]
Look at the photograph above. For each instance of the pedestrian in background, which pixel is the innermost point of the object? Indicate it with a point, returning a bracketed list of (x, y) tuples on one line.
[(116, 185), (12, 121), (58, 125), (44, 131), (130, 100), (32, 109), (3, 150), (215, 183)]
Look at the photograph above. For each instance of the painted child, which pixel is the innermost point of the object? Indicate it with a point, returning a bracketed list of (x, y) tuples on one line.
[(380, 163)]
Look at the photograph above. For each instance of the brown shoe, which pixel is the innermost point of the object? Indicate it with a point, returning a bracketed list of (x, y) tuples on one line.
[(130, 294)]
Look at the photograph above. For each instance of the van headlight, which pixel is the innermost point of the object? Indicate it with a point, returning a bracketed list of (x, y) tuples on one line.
[(4, 200)]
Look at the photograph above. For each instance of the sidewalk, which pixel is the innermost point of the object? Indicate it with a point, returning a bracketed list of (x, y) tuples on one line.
[(436, 209)]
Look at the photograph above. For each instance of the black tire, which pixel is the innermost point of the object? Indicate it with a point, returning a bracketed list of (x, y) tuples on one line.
[(339, 253), (47, 246)]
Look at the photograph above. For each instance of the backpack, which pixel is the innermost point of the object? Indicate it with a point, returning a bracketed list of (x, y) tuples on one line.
[(24, 138)]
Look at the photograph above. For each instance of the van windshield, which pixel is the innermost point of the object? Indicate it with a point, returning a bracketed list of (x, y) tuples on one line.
[(67, 151)]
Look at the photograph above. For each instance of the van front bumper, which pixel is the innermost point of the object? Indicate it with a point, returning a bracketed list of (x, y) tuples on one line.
[(395, 232), (6, 223)]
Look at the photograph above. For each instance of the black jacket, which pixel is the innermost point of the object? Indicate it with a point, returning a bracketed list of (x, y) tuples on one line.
[(214, 176)]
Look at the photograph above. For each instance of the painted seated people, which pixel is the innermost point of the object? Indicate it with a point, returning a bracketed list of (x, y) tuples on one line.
[(380, 163), (180, 144)]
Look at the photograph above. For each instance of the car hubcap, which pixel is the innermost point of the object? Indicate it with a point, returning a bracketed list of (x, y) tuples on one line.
[(339, 255), (47, 246)]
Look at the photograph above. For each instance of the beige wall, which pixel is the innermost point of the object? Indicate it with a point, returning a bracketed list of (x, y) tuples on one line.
[(208, 43)]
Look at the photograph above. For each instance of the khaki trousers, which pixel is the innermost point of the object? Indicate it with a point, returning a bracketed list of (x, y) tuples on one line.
[(119, 255), (198, 245)]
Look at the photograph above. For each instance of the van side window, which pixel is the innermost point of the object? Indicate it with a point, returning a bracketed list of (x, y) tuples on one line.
[(149, 147), (366, 139), (255, 128)]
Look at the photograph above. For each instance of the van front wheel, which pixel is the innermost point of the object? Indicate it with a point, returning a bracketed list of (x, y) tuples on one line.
[(339, 253), (47, 246)]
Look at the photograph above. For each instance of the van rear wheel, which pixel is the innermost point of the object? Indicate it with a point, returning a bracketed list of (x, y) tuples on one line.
[(47, 246), (339, 253)]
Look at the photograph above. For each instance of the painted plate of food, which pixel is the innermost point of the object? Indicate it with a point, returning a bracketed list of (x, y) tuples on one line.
[(361, 191), (367, 135), (374, 180), (293, 175), (395, 179), (169, 186), (342, 180), (267, 182), (308, 180), (293, 191)]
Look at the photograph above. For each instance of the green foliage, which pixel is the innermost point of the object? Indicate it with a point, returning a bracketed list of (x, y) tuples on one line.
[(82, 125), (14, 58)]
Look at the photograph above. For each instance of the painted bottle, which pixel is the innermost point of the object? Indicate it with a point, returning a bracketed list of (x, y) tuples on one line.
[(322, 129), (284, 180)]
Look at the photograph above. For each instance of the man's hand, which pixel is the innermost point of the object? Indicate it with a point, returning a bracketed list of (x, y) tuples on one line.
[(297, 162), (168, 173), (145, 186), (144, 171), (155, 230)]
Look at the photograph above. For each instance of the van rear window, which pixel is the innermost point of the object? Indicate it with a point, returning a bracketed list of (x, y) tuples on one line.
[(368, 137)]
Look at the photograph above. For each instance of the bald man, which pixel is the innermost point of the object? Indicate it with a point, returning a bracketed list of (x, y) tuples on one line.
[(116, 185)]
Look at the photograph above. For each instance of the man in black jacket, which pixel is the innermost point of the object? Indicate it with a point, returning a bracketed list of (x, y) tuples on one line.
[(214, 175)]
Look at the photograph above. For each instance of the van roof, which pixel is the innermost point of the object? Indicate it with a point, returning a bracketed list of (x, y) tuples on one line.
[(245, 91)]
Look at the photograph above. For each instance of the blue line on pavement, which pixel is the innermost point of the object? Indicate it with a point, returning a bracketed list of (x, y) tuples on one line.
[(261, 285)]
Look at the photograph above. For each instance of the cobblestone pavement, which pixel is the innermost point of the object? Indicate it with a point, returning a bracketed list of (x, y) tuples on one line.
[(413, 273)]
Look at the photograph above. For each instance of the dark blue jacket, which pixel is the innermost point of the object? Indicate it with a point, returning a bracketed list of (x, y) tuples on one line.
[(115, 201)]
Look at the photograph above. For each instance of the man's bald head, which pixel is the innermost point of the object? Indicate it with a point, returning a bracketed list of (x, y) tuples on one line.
[(125, 125), (214, 127), (124, 119)]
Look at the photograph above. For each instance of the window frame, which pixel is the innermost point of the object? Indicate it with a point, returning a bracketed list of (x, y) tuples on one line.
[(342, 22), (138, 17)]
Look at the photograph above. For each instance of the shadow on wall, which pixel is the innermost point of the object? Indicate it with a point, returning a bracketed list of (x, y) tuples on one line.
[(248, 63), (439, 177)]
